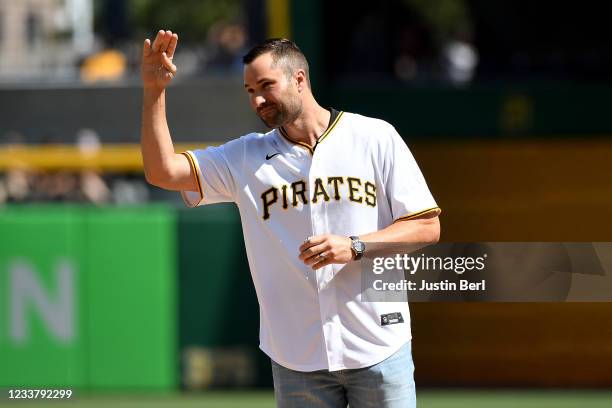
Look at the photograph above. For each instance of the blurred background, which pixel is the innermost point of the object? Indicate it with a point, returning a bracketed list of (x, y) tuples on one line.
[(110, 286)]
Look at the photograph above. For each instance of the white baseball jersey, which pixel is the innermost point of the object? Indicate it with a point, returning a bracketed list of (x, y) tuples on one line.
[(360, 177)]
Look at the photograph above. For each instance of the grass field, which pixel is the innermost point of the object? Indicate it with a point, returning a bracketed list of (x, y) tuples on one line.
[(426, 399)]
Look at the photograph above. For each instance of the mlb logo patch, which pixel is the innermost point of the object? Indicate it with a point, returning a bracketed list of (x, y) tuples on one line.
[(391, 318)]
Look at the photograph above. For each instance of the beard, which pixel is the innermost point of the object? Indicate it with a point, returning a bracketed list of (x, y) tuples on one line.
[(275, 115)]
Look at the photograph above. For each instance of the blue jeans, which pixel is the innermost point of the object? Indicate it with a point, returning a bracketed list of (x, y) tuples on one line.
[(388, 384)]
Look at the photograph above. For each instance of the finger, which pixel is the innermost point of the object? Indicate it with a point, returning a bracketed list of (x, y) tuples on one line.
[(316, 257), (163, 46), (313, 250), (321, 264), (310, 241), (320, 257), (146, 48), (168, 64), (172, 45), (158, 39)]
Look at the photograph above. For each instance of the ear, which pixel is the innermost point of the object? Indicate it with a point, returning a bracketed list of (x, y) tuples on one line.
[(300, 77)]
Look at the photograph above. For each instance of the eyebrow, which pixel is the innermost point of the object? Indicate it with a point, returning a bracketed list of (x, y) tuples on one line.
[(261, 80)]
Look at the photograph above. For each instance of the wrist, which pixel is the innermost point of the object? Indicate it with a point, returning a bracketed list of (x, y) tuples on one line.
[(357, 247), (154, 98), (153, 91), (353, 253)]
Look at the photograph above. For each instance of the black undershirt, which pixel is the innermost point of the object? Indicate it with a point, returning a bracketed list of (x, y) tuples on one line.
[(333, 114)]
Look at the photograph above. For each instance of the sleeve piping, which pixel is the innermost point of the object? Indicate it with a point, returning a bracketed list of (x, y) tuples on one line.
[(416, 214), (196, 172)]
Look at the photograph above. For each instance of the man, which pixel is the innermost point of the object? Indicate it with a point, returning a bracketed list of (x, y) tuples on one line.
[(312, 194)]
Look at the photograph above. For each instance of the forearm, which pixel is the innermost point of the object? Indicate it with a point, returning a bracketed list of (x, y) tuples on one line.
[(156, 143), (419, 230), (400, 237)]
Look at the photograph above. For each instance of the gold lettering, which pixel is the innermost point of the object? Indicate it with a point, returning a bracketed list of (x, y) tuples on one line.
[(370, 191), (284, 190), (336, 181), (299, 189), (267, 201), (353, 189), (319, 190)]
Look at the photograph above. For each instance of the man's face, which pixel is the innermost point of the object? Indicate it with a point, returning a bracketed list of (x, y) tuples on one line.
[(273, 96)]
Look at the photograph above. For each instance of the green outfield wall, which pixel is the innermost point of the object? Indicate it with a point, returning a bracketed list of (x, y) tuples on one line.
[(88, 297), (219, 319)]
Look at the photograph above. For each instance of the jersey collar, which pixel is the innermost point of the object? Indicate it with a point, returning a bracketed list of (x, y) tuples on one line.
[(334, 118)]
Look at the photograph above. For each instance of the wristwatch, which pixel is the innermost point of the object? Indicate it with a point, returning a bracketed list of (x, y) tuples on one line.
[(358, 247)]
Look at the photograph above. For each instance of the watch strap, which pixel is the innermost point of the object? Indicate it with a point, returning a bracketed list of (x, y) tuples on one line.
[(354, 240)]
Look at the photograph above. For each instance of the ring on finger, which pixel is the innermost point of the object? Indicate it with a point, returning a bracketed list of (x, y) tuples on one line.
[(321, 256)]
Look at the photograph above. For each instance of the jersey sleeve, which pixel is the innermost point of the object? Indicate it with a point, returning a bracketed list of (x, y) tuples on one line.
[(406, 189), (215, 170)]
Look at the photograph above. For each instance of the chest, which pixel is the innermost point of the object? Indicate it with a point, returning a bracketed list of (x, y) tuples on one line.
[(338, 174)]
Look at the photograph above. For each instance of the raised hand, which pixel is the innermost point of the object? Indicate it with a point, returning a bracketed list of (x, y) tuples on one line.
[(157, 69)]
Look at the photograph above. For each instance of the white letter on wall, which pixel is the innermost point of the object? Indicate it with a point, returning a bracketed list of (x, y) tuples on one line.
[(25, 288)]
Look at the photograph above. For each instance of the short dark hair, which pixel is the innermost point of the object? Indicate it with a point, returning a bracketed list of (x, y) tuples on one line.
[(283, 51)]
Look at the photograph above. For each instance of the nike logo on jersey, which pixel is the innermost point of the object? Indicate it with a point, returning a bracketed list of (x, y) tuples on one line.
[(269, 156), (352, 189)]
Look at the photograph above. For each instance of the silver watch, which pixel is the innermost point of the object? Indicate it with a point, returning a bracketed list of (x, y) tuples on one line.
[(358, 247)]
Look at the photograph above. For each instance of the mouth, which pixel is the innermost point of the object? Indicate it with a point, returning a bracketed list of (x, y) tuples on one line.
[(265, 110)]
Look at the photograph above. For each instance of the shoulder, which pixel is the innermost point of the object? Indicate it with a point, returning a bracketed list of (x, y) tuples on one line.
[(256, 138), (257, 143), (371, 128), (248, 142), (356, 118)]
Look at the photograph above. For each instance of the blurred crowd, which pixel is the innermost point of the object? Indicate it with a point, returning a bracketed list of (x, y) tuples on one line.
[(406, 40), (24, 186), (21, 184), (221, 53), (53, 42)]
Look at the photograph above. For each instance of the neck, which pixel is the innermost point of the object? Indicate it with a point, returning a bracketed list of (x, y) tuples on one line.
[(311, 124)]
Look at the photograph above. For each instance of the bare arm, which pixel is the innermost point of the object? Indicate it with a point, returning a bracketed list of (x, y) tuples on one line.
[(336, 249), (425, 229), (163, 167)]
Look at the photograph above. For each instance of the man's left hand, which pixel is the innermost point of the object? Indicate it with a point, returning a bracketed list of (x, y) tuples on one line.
[(322, 250)]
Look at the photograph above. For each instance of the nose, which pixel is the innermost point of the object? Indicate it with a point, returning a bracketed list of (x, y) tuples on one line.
[(259, 101)]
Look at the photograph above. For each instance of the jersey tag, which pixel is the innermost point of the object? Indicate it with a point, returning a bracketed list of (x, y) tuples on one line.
[(391, 318)]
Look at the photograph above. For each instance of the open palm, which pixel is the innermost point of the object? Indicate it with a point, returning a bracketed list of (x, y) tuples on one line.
[(157, 68)]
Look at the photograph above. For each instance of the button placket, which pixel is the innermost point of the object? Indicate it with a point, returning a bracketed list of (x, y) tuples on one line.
[(326, 293)]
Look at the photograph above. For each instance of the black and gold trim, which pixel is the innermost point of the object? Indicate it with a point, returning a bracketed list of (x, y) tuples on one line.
[(304, 145), (417, 214), (196, 172), (333, 121)]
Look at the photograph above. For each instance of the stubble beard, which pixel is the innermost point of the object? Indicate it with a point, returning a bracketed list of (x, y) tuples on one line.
[(283, 114)]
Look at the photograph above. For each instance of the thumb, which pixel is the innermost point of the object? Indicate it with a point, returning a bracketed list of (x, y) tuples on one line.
[(168, 63)]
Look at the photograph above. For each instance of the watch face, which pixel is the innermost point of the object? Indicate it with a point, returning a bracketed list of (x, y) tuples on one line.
[(359, 246)]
